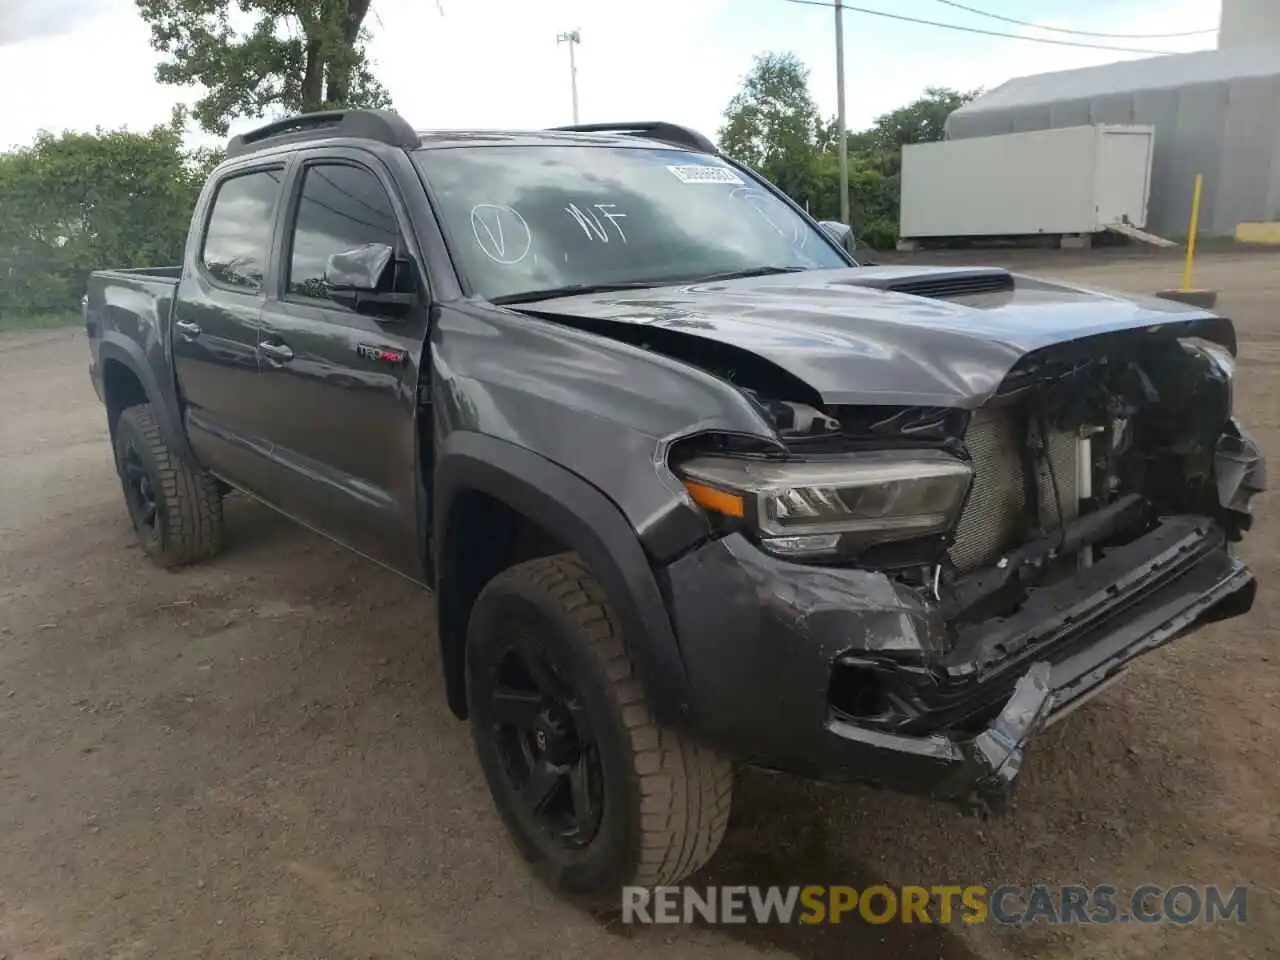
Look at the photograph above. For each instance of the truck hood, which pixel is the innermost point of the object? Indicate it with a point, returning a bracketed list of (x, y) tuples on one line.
[(853, 341)]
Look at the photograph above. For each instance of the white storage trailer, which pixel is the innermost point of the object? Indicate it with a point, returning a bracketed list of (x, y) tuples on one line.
[(1073, 180)]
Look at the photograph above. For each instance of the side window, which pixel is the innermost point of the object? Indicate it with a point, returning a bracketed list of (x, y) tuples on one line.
[(237, 241), (341, 208)]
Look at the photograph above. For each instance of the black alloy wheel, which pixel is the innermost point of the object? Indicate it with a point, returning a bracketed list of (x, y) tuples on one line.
[(139, 490), (174, 506), (595, 793), (546, 747)]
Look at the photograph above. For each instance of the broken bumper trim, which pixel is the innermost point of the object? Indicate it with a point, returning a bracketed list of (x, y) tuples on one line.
[(981, 771)]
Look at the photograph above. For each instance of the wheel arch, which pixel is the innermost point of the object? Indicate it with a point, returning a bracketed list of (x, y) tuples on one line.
[(576, 516), (127, 379)]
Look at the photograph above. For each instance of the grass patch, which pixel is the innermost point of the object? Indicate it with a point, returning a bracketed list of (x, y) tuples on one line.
[(38, 321)]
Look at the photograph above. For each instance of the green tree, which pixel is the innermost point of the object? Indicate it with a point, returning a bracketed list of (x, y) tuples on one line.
[(921, 121), (83, 201), (298, 55), (772, 125), (875, 183)]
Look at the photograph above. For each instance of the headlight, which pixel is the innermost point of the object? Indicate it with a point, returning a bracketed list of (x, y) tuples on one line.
[(821, 507)]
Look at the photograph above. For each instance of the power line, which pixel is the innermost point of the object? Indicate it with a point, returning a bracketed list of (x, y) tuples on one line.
[(987, 33), (1079, 33), (385, 213)]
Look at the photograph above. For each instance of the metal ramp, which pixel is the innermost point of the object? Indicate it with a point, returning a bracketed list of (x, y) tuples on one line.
[(1133, 233)]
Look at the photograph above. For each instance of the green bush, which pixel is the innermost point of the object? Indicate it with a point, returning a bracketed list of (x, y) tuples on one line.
[(880, 234), (78, 202)]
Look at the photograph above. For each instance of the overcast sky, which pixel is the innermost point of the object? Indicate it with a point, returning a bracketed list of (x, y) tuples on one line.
[(78, 64)]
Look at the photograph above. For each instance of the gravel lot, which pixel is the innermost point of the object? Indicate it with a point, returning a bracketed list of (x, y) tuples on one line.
[(253, 758)]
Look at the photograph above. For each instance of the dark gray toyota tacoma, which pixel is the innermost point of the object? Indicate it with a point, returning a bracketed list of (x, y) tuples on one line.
[(690, 485)]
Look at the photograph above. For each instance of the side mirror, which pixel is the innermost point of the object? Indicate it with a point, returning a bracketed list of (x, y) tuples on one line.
[(354, 279), (841, 233)]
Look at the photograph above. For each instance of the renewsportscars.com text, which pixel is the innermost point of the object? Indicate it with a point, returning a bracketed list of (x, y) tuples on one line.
[(1065, 904)]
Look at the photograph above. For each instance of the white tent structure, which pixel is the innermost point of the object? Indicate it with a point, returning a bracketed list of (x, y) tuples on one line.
[(1215, 112), (1248, 22)]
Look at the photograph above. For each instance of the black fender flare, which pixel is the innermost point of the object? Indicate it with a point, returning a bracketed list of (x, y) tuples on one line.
[(589, 523), (117, 348)]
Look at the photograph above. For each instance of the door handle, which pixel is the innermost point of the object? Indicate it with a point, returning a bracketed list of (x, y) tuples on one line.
[(188, 328), (279, 352)]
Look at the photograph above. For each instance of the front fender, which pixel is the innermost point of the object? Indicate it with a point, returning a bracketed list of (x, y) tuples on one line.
[(586, 521), (606, 408)]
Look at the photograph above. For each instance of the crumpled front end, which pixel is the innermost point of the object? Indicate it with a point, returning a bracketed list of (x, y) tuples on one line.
[(845, 675), (923, 649)]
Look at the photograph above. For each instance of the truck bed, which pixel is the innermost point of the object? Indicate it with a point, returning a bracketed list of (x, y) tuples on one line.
[(129, 312)]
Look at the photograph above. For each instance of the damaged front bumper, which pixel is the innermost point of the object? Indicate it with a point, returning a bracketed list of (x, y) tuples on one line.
[(845, 674), (977, 772), (766, 643), (1087, 631)]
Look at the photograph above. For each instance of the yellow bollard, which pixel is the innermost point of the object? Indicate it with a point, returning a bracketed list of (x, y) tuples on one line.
[(1186, 293), (1192, 231)]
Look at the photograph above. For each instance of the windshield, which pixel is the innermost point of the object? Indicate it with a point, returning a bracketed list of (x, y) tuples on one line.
[(524, 220)]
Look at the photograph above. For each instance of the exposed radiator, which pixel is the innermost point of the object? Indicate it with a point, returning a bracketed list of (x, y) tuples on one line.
[(997, 515)]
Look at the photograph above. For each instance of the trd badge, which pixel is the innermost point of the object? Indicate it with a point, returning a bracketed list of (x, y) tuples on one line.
[(371, 352)]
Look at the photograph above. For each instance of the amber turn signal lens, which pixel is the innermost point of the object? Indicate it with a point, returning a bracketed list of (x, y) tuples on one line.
[(709, 498)]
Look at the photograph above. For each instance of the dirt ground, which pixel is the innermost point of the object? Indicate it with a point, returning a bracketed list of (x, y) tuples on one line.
[(253, 758)]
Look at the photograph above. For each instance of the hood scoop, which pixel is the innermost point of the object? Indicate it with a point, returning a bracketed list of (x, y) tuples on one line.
[(942, 284)]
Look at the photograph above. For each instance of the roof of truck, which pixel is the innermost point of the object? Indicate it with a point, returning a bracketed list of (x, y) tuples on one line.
[(385, 127), (443, 139)]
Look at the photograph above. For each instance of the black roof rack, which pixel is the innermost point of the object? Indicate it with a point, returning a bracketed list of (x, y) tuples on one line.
[(653, 130), (384, 126)]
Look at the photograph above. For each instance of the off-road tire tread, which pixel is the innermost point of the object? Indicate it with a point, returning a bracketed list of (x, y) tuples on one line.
[(686, 789), (191, 530)]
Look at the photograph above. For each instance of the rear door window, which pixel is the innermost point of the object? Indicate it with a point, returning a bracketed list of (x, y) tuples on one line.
[(237, 240)]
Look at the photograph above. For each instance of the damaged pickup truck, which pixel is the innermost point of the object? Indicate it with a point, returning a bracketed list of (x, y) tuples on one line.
[(691, 486)]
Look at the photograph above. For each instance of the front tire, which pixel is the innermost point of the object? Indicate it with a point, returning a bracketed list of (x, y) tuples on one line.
[(594, 792), (176, 510)]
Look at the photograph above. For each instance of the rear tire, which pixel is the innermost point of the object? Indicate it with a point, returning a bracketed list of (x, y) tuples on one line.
[(176, 510), (635, 803)]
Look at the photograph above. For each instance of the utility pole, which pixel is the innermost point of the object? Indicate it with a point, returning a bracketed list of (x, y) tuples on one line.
[(842, 136), (571, 38)]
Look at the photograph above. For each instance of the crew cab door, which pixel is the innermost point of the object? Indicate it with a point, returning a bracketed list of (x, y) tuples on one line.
[(215, 325), (340, 386)]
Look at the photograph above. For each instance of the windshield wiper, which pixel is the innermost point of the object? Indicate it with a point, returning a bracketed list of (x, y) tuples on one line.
[(572, 289), (744, 274)]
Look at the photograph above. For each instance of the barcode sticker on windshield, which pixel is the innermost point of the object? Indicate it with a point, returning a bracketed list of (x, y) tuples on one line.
[(702, 173)]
